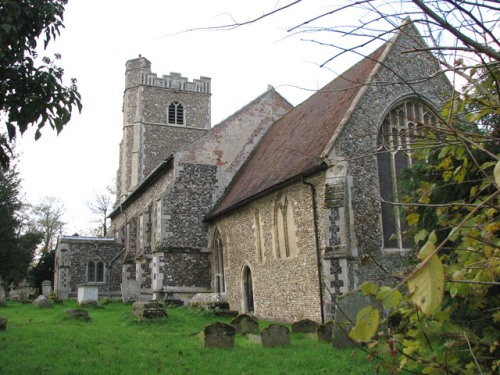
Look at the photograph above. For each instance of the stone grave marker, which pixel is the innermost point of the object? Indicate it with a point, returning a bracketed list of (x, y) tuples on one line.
[(46, 288), (131, 291), (275, 335), (245, 323), (219, 335), (42, 302), (325, 332), (148, 310), (88, 295), (304, 326), (3, 323), (345, 316)]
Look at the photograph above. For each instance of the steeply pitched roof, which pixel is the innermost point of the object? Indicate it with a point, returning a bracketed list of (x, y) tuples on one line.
[(293, 146)]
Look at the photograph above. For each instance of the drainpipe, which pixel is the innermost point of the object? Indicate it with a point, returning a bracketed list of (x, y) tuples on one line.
[(318, 252)]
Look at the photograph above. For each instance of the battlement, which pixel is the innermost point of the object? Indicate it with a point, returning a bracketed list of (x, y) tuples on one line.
[(177, 82)]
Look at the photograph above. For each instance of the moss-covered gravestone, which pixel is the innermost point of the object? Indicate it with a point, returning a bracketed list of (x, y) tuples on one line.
[(219, 335), (275, 335), (325, 332), (304, 326), (245, 323)]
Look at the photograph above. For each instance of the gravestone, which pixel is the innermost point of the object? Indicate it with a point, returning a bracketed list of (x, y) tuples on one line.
[(43, 302), (3, 323), (345, 316), (325, 332), (88, 295), (245, 323), (46, 288), (131, 291), (209, 301), (77, 314), (2, 293), (275, 335), (148, 310), (219, 335), (304, 326)]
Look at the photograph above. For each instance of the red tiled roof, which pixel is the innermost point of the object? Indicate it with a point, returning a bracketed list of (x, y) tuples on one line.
[(294, 144)]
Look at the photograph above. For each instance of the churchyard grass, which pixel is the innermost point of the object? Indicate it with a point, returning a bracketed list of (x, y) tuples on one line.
[(43, 341)]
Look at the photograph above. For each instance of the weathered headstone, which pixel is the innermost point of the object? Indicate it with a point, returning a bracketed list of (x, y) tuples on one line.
[(46, 288), (325, 332), (345, 316), (148, 310), (245, 323), (304, 326), (3, 323), (275, 335), (219, 335), (131, 291), (43, 302), (77, 314), (88, 295)]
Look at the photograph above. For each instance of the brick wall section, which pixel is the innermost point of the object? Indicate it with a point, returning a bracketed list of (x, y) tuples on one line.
[(284, 289)]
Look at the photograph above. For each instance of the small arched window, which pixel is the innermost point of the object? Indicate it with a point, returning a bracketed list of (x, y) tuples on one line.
[(400, 128), (95, 271), (175, 113)]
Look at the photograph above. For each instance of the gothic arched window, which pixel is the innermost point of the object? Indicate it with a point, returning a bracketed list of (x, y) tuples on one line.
[(175, 113), (399, 130), (95, 271), (220, 285)]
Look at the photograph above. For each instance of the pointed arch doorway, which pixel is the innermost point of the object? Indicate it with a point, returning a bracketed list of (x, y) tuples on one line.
[(248, 300)]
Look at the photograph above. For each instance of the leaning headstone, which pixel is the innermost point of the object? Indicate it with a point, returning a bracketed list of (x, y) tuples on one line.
[(345, 315), (325, 332), (304, 326), (245, 323), (131, 291), (275, 335), (77, 314), (88, 295), (219, 335), (148, 310), (43, 302), (46, 288), (3, 323)]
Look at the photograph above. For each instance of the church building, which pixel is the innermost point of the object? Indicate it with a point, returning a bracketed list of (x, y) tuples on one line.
[(278, 209)]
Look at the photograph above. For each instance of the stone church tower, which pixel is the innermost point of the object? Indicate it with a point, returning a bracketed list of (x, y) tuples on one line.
[(160, 115)]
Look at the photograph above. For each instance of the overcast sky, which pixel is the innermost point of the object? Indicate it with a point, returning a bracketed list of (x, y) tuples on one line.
[(101, 35)]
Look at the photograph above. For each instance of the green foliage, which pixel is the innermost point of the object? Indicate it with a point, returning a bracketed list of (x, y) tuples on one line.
[(17, 248), (448, 318), (31, 93), (43, 270)]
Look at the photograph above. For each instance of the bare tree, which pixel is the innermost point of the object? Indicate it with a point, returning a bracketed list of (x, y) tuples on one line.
[(100, 205), (47, 218)]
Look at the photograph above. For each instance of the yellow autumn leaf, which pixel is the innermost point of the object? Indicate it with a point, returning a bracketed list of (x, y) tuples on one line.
[(427, 285), (496, 173), (366, 324), (412, 218)]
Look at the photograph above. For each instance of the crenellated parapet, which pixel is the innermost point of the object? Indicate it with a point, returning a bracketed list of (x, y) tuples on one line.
[(177, 82)]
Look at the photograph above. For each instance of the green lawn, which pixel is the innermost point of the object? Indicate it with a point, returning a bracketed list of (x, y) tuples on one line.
[(43, 341)]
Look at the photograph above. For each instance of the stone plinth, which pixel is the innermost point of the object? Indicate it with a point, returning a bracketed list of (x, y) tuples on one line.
[(46, 288), (88, 294)]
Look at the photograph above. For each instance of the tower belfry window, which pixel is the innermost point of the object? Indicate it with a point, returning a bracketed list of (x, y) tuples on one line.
[(175, 113)]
